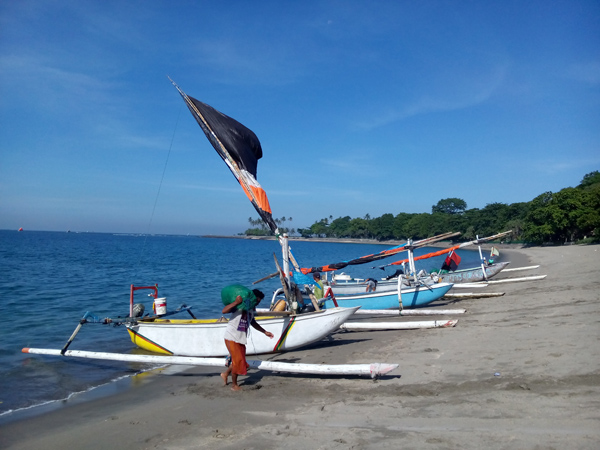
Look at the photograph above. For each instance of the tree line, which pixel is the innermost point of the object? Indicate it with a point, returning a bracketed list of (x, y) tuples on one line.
[(569, 215), (260, 228)]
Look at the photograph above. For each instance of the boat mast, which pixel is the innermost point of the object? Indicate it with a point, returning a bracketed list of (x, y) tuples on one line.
[(481, 258), (285, 250), (411, 260)]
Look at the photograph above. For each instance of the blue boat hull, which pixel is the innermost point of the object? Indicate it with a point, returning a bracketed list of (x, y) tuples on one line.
[(411, 298)]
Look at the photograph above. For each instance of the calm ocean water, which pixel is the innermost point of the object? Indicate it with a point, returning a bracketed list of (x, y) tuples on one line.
[(48, 280)]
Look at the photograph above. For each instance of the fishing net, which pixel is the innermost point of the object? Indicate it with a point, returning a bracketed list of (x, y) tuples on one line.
[(229, 294)]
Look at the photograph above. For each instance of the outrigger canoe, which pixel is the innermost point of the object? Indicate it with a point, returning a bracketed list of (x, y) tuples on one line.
[(474, 274), (195, 337), (457, 277)]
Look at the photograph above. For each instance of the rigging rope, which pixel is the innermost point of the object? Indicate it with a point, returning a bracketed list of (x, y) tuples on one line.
[(136, 266)]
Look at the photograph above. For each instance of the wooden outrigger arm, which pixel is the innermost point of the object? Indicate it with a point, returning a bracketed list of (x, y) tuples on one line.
[(121, 320)]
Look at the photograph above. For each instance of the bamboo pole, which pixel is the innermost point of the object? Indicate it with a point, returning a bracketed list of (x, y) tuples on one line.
[(373, 370), (409, 312), (514, 269), (398, 325)]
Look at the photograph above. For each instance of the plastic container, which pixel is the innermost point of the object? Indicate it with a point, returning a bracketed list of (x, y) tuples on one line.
[(160, 306)]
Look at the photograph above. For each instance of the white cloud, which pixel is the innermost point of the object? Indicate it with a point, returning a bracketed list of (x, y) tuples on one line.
[(458, 92)]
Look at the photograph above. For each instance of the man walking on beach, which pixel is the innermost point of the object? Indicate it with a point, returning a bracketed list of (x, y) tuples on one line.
[(243, 309)]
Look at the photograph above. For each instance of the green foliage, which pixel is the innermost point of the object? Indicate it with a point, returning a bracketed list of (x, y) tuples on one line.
[(383, 226), (450, 206), (257, 232), (339, 227), (566, 216), (319, 229), (590, 179)]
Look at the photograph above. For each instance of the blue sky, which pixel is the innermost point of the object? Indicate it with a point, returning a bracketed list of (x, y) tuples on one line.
[(362, 107)]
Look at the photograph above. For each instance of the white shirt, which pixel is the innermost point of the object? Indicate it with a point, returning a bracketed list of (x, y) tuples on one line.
[(236, 333)]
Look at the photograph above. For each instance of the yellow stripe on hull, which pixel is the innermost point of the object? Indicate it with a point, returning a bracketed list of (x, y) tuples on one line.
[(184, 321), (146, 344)]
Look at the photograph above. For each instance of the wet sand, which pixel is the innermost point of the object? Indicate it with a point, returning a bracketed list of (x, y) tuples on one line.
[(519, 371)]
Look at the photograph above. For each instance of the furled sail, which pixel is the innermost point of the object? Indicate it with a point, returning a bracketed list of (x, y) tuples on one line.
[(426, 256), (352, 262), (377, 256), (240, 149), (450, 249)]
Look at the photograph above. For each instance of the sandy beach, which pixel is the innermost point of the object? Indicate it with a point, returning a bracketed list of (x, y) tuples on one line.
[(520, 371)]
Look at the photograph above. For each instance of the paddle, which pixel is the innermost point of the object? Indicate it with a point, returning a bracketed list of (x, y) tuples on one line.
[(81, 322)]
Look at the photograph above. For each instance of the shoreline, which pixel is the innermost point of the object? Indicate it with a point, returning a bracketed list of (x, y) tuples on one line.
[(113, 387), (521, 369)]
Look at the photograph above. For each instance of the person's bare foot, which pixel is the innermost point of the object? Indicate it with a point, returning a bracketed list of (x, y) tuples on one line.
[(236, 387), (224, 376)]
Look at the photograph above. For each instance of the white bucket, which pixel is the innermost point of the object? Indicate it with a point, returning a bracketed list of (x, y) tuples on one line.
[(160, 306)]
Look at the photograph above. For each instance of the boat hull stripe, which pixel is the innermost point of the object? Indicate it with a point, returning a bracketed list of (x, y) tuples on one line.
[(148, 342), (284, 335)]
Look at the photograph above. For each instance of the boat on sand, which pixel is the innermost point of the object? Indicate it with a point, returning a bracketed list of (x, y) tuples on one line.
[(195, 337)]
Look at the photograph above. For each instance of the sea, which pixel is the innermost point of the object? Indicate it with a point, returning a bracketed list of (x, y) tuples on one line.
[(49, 280)]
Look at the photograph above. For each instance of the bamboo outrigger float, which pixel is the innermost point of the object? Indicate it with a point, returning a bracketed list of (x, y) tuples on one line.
[(516, 280), (398, 325), (464, 295), (515, 269), (409, 312), (373, 370)]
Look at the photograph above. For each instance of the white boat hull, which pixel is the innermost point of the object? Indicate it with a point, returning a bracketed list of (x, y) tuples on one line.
[(359, 287), (205, 338)]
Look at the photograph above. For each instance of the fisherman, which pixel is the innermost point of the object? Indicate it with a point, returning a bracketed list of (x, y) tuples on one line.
[(243, 309), (319, 290), (371, 284)]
